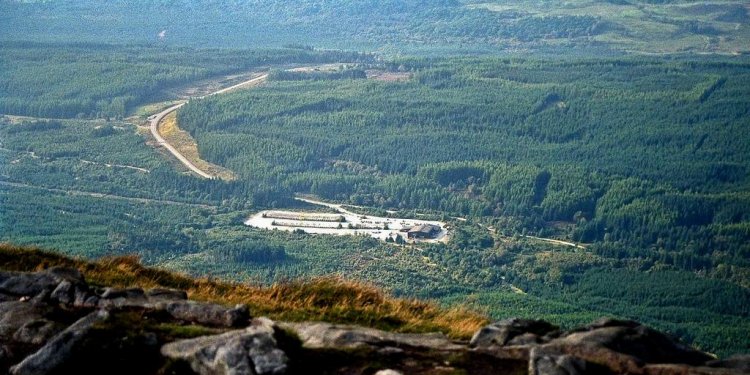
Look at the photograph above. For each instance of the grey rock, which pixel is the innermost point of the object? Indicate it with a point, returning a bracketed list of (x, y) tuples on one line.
[(82, 297), (172, 302), (542, 363), (206, 313), (37, 332), (526, 339), (316, 335), (66, 273), (636, 340), (31, 284), (122, 297), (91, 301), (249, 351), (390, 350), (64, 293), (42, 298), (16, 314), (609, 322), (388, 372), (127, 293), (502, 332), (511, 352), (166, 294), (57, 350)]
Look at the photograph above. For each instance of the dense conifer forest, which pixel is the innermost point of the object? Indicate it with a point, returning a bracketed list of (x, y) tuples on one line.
[(565, 124)]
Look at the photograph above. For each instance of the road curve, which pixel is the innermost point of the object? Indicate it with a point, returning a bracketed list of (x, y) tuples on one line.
[(155, 119)]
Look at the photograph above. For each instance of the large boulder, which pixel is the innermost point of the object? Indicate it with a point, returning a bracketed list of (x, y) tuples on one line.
[(122, 297), (544, 363), (210, 314), (605, 346), (32, 283), (165, 294), (318, 335), (37, 332), (16, 314), (173, 302), (513, 332), (244, 352), (58, 350), (633, 339)]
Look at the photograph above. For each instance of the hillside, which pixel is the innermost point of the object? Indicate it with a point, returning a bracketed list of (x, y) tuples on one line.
[(314, 186), (70, 316), (326, 299), (579, 27), (639, 162)]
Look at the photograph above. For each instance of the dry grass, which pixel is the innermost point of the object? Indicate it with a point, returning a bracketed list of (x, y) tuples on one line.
[(323, 299), (185, 144)]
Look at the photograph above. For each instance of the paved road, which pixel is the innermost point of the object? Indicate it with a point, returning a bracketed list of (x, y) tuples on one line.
[(155, 119)]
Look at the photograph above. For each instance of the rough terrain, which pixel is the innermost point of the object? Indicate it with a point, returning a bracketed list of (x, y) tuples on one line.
[(53, 322)]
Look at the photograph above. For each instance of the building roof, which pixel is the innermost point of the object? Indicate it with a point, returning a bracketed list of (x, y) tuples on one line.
[(424, 228)]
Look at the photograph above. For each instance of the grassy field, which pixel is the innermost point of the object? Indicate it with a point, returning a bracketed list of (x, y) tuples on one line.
[(185, 144)]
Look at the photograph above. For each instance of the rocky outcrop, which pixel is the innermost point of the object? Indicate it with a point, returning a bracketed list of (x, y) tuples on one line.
[(514, 332), (541, 362), (252, 350), (53, 322), (22, 284), (57, 351), (605, 346), (206, 313), (609, 337), (318, 335)]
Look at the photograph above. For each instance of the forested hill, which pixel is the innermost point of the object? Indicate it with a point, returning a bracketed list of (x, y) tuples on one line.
[(645, 158), (393, 26), (69, 80), (641, 161)]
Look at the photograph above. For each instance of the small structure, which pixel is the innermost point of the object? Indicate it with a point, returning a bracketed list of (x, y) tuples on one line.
[(423, 231)]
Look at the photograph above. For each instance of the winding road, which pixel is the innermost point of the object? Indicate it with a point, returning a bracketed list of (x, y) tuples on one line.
[(157, 118)]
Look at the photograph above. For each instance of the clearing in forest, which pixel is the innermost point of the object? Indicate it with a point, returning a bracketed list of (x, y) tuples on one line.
[(347, 223), (186, 145)]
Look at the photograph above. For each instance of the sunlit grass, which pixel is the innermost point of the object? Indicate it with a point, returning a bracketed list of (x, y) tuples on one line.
[(330, 299), (186, 145)]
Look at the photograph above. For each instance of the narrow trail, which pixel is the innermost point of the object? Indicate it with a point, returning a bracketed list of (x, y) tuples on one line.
[(556, 242), (157, 118), (104, 196), (109, 165)]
